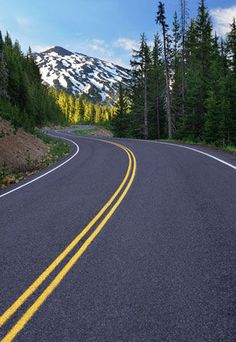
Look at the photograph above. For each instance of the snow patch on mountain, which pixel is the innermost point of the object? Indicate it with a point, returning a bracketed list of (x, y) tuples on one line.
[(77, 73)]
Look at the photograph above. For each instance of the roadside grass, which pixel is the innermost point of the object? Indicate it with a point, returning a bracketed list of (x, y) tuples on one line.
[(230, 148), (8, 177), (227, 148), (85, 131), (57, 149)]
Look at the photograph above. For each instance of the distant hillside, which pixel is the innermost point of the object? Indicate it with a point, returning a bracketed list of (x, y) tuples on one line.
[(78, 73)]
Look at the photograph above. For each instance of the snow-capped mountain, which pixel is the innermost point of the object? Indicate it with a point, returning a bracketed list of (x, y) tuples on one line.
[(77, 73)]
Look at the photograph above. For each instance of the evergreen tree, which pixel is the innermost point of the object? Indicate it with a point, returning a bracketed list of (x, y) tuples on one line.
[(157, 92), (217, 103), (187, 127), (184, 14), (3, 71), (97, 117), (176, 67), (204, 55), (120, 122), (77, 117), (141, 64), (81, 108), (231, 44), (230, 132), (161, 19)]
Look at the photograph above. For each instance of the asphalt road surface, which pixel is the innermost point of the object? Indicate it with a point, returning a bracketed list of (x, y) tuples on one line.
[(156, 264)]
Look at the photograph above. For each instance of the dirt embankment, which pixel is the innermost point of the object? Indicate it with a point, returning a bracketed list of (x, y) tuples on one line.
[(19, 150)]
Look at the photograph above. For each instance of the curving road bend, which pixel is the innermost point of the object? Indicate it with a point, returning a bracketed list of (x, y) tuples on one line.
[(162, 267)]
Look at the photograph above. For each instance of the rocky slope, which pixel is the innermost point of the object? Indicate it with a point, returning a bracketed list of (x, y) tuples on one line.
[(77, 73)]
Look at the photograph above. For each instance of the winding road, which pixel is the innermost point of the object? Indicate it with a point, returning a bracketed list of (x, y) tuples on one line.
[(124, 240)]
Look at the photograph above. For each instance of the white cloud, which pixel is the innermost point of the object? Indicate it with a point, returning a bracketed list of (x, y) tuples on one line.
[(99, 46), (103, 50), (24, 22), (40, 48), (126, 44), (222, 18)]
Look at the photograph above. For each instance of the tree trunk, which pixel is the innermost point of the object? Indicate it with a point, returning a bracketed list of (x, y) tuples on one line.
[(183, 29), (145, 109), (167, 76), (169, 115), (158, 112)]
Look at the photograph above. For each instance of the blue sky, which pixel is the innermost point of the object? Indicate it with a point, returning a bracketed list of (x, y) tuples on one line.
[(106, 29)]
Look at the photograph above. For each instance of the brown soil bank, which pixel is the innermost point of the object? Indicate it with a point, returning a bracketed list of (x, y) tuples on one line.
[(19, 150)]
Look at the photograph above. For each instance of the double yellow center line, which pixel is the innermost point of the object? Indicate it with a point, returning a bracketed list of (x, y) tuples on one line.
[(111, 206)]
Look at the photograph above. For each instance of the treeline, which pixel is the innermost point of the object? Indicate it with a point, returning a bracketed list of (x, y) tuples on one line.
[(77, 109), (23, 99), (184, 85), (27, 103)]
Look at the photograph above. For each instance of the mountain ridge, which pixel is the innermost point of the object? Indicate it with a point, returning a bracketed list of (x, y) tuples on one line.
[(77, 74)]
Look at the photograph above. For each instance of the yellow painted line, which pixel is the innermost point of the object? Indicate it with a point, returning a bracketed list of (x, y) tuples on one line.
[(56, 281), (34, 286)]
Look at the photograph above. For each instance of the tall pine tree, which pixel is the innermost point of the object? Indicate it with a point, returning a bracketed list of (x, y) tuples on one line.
[(161, 19)]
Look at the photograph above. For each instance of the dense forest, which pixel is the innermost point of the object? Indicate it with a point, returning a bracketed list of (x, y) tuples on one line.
[(78, 109), (184, 85), (23, 99), (27, 103)]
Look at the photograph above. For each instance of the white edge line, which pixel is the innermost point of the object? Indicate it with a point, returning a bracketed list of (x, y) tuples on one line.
[(198, 151), (166, 143), (48, 172)]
